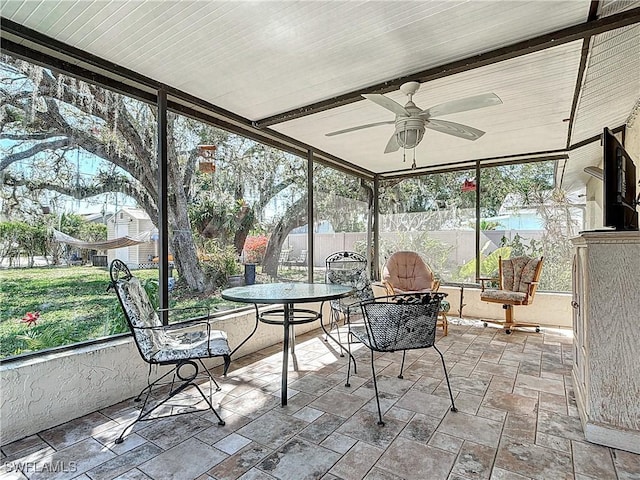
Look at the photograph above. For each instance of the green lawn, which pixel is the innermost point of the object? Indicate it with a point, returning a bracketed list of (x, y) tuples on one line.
[(73, 303)]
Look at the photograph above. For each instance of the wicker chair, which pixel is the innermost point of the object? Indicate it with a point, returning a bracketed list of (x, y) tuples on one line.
[(179, 345), (348, 269), (399, 323), (406, 273)]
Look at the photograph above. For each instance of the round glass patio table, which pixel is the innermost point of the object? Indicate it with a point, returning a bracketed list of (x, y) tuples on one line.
[(287, 294)]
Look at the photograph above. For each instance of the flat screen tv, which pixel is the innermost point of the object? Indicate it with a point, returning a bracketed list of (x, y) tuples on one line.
[(619, 186)]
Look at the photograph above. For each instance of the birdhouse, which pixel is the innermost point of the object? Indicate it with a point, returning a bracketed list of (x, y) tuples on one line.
[(206, 162), (469, 186)]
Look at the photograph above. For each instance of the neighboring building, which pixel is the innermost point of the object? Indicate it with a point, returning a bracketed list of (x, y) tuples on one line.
[(130, 222)]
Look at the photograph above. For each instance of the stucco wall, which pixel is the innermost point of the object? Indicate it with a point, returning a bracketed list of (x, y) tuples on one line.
[(50, 389), (548, 309)]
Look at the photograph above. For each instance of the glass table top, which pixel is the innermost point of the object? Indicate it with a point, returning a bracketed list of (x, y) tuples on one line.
[(286, 292)]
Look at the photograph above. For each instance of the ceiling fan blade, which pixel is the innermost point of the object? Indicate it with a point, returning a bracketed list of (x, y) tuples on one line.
[(455, 129), (462, 105), (392, 144), (359, 127), (387, 103)]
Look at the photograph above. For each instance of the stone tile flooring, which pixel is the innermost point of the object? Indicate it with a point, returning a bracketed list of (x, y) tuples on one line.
[(516, 420)]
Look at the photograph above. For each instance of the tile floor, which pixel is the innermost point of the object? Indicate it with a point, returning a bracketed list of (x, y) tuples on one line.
[(517, 420)]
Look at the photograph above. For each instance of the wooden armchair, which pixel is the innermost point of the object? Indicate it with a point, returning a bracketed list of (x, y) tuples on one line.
[(518, 282)]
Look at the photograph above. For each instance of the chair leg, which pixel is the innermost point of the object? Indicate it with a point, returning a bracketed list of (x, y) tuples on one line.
[(442, 317), (227, 362), (208, 400), (349, 360), (335, 321), (211, 379), (150, 385), (186, 382), (375, 387), (404, 353), (446, 376)]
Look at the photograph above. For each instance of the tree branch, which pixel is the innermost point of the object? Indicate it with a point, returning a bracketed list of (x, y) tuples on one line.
[(29, 136), (106, 184), (29, 152)]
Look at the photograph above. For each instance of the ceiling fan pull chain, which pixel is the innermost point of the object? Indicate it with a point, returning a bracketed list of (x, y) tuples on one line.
[(404, 146)]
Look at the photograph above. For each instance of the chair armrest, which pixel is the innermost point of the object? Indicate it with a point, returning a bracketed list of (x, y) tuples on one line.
[(190, 311), (389, 288), (530, 286), (187, 324), (486, 279)]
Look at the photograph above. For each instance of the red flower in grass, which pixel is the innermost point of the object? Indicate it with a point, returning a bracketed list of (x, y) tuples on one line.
[(31, 318)]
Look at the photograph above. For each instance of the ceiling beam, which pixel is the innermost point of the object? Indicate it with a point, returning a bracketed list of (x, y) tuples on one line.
[(470, 163), (560, 37), (582, 68)]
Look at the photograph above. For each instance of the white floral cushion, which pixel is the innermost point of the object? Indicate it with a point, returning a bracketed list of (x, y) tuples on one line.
[(518, 273), (181, 345), (503, 296)]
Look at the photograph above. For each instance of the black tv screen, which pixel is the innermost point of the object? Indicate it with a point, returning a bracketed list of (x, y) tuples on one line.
[(619, 185)]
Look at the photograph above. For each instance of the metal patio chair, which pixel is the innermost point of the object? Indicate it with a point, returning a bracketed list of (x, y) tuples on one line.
[(399, 323), (182, 346), (348, 269)]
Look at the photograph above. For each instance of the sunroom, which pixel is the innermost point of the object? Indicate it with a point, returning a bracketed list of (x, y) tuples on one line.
[(269, 133)]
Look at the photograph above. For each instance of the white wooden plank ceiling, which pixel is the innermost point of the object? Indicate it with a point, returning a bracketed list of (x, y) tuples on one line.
[(536, 91), (259, 59)]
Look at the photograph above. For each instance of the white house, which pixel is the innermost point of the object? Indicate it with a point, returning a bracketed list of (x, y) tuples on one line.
[(130, 222)]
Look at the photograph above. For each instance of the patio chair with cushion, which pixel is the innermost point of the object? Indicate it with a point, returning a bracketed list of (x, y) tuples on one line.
[(348, 269), (393, 324), (517, 284), (406, 273), (181, 346)]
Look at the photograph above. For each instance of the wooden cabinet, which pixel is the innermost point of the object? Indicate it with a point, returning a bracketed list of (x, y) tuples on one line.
[(606, 327)]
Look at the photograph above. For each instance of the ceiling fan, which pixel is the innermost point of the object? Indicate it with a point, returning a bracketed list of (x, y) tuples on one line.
[(411, 121)]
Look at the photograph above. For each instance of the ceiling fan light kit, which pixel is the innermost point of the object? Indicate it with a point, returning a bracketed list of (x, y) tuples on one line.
[(409, 133), (411, 121)]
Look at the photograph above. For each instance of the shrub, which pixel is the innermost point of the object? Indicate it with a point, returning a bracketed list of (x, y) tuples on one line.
[(255, 248), (219, 262)]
